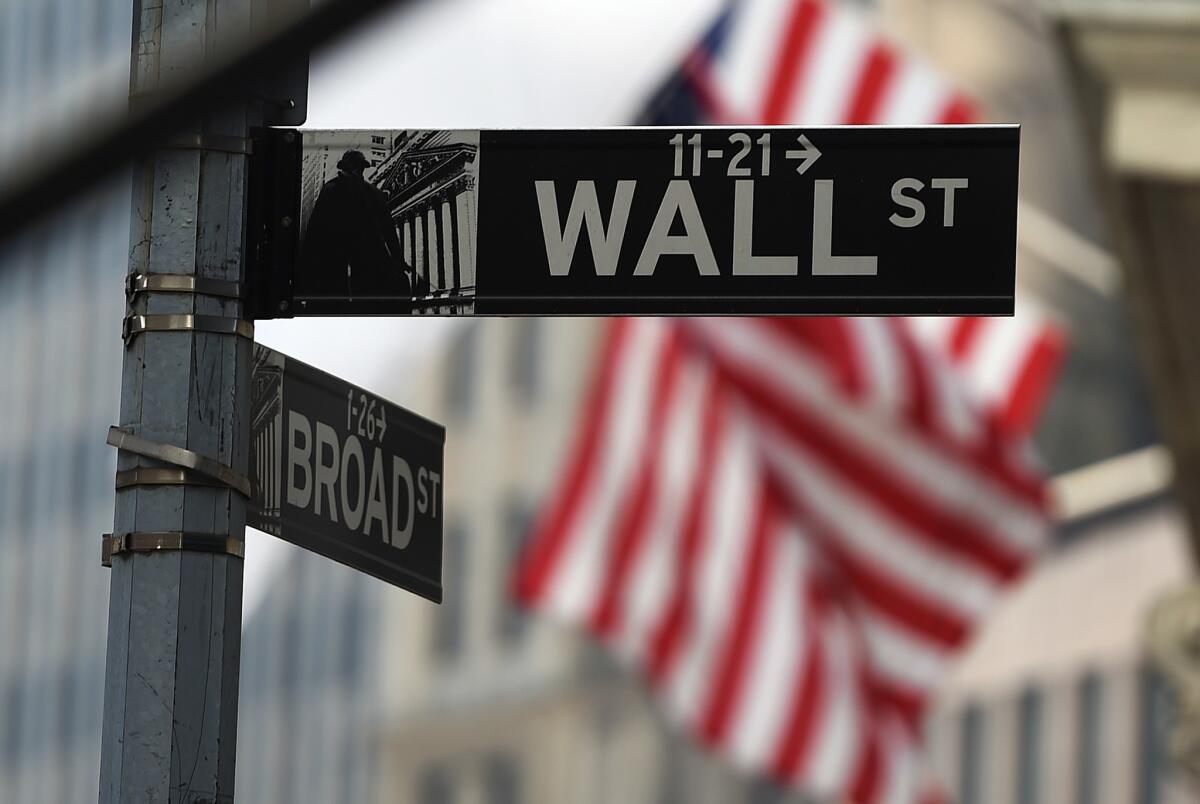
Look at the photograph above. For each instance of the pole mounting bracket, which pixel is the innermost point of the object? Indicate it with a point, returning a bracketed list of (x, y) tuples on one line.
[(181, 283), (179, 457), (157, 541), (155, 476), (134, 325)]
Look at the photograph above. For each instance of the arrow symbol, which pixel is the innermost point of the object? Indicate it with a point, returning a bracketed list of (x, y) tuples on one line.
[(382, 420), (809, 153)]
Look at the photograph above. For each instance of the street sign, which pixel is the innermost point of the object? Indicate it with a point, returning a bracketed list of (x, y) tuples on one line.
[(851, 220), (346, 474)]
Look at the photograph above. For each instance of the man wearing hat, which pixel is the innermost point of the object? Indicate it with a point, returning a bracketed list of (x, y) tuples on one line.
[(350, 246)]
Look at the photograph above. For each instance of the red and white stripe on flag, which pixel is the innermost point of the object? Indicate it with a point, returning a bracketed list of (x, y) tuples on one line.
[(1009, 364), (788, 526), (813, 62)]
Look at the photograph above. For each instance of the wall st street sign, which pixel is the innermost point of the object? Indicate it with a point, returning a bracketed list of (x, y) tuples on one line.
[(858, 220), (346, 474)]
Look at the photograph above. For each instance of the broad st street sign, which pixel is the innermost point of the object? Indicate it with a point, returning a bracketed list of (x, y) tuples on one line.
[(852, 220), (346, 474)]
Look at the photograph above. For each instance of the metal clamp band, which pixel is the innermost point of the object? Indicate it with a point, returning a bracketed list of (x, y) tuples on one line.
[(210, 142), (153, 476), (181, 283), (135, 324), (178, 456), (153, 542)]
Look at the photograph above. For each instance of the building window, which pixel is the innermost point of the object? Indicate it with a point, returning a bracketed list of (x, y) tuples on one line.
[(765, 791), (1155, 716), (66, 687), (449, 625), (461, 371), (523, 359), (512, 620), (24, 489), (672, 779), (11, 713), (502, 780), (1087, 768), (970, 775), (7, 493), (354, 612), (81, 472), (289, 675), (435, 786), (1029, 737)]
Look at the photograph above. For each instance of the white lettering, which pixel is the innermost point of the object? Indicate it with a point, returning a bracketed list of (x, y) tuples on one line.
[(744, 261), (377, 498), (353, 513), (585, 208), (298, 458), (437, 482), (823, 261), (680, 200), (422, 492), (401, 536), (327, 472), (908, 202), (319, 475), (948, 186)]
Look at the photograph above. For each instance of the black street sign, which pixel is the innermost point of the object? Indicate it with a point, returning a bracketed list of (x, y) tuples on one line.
[(346, 474), (658, 221)]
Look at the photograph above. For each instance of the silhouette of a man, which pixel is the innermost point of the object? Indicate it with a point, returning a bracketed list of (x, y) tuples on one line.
[(350, 247)]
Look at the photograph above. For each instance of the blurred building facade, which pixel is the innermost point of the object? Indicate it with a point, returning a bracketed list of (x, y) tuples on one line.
[(1054, 702), (470, 701), (60, 362), (474, 703), (59, 287)]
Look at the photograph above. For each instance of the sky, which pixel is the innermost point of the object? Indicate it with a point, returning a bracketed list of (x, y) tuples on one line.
[(469, 64), (504, 63)]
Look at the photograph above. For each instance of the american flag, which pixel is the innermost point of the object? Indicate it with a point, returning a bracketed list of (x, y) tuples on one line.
[(789, 526)]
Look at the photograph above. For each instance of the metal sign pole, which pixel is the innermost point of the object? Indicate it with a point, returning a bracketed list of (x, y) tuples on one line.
[(174, 627)]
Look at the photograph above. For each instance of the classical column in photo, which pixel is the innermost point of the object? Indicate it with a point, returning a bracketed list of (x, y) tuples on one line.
[(418, 228), (449, 264), (266, 429), (406, 235), (174, 623), (464, 208), (432, 237)]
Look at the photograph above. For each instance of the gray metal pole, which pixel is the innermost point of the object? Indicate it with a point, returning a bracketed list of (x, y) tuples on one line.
[(174, 627)]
